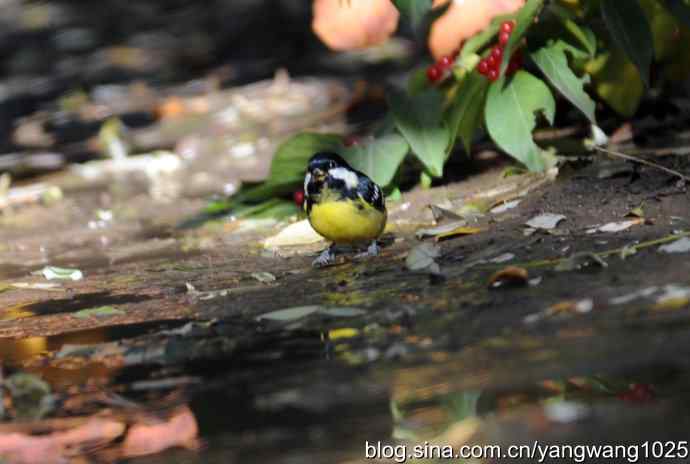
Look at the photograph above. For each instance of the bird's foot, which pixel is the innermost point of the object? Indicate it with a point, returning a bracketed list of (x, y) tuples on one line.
[(326, 257), (372, 251)]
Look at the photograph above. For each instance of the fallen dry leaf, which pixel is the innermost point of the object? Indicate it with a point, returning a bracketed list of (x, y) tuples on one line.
[(298, 233), (580, 307), (179, 430), (546, 221), (636, 212), (57, 447), (620, 226), (510, 275), (17, 448), (682, 245), (674, 297), (458, 231), (439, 229), (443, 214), (95, 431), (504, 206), (505, 257), (423, 258)]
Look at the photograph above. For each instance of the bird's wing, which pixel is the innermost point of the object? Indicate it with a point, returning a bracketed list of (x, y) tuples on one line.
[(370, 192)]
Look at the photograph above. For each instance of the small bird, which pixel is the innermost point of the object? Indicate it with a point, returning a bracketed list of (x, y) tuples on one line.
[(343, 205)]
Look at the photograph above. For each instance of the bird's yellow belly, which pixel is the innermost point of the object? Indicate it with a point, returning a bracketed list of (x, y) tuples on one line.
[(343, 222)]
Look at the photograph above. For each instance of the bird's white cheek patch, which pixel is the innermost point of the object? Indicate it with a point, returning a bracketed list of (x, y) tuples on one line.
[(347, 176), (307, 179)]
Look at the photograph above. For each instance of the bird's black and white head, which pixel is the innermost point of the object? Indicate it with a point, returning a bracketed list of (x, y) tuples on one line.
[(329, 177), (324, 166), (323, 162)]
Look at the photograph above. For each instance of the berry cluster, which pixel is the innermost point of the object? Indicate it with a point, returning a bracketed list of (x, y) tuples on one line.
[(491, 65), (441, 69), (638, 393)]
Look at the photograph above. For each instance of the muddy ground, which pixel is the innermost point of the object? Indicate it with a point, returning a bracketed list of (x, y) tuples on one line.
[(556, 357), (184, 338)]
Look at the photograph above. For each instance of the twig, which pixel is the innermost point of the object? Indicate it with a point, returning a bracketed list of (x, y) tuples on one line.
[(643, 161), (604, 254)]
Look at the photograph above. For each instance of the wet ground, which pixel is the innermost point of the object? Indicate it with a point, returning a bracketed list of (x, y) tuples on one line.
[(193, 341), (590, 349)]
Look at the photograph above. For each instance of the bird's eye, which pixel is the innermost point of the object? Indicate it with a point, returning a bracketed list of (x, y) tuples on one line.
[(331, 165)]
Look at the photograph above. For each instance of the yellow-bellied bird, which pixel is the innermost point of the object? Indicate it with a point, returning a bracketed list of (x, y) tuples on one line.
[(343, 205)]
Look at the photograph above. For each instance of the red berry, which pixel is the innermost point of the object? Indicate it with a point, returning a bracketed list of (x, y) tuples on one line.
[(433, 73), (491, 61), (638, 393), (508, 26), (497, 52), (503, 38), (483, 67), (351, 141), (445, 62), (492, 75), (642, 391), (298, 196)]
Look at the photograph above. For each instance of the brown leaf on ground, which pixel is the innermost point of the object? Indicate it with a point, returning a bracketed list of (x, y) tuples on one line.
[(179, 430), (511, 275), (57, 447)]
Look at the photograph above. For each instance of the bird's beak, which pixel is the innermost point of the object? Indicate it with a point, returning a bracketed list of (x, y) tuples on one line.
[(319, 174)]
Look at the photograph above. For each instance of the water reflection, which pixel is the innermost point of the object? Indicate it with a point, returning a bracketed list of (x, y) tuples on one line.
[(28, 353)]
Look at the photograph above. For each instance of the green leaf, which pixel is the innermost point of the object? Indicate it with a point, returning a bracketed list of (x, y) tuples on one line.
[(342, 311), (414, 10), (523, 20), (553, 62), (274, 208), (418, 82), (271, 208), (54, 272), (31, 396), (394, 195), (425, 180), (289, 314), (101, 311), (680, 9), (290, 161), (300, 312), (584, 35), (465, 112), (378, 159), (288, 166), (617, 81), (630, 30), (420, 14), (510, 116), (418, 118), (479, 40)]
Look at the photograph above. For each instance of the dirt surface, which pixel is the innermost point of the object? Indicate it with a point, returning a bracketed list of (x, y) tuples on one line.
[(446, 358), (185, 338)]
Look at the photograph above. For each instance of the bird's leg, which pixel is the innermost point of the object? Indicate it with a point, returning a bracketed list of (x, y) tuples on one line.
[(372, 251), (326, 257)]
